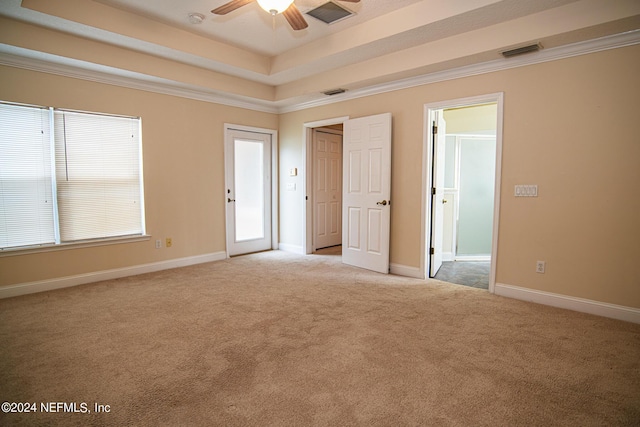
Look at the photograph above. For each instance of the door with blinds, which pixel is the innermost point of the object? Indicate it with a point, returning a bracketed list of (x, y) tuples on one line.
[(248, 191)]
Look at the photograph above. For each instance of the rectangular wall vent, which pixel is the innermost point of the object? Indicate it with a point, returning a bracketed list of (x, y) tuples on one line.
[(330, 12), (334, 91), (521, 50)]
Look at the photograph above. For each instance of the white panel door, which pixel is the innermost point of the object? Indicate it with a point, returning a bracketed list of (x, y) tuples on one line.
[(437, 193), (327, 196), (366, 213), (248, 194)]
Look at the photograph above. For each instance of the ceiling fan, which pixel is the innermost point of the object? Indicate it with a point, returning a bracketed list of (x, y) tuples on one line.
[(286, 7)]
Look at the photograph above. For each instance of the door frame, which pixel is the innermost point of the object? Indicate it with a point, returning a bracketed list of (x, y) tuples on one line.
[(307, 200), (427, 166), (274, 181)]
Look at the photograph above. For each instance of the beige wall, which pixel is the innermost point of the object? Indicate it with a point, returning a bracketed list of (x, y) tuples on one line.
[(183, 172), (570, 126)]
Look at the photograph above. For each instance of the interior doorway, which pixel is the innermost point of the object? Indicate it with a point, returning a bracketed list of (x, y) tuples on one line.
[(462, 178), (366, 189), (333, 125)]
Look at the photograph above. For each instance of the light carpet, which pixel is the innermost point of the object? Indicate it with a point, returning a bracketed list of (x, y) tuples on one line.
[(277, 339)]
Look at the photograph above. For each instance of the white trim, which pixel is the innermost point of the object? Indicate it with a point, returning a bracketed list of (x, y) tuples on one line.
[(405, 270), (307, 176), (53, 64), (82, 279), (472, 258), (294, 249), (429, 109), (448, 257), (614, 311)]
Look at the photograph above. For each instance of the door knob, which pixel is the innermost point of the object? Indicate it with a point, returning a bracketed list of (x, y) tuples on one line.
[(230, 200), (383, 203), (444, 201)]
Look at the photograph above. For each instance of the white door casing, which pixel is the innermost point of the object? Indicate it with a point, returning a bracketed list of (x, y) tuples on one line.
[(429, 114), (437, 192), (327, 184), (248, 191), (366, 213)]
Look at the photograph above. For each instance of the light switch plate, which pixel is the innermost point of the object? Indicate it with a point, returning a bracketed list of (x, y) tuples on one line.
[(291, 186)]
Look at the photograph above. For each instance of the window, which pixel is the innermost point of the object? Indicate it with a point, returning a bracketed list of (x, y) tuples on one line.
[(68, 176)]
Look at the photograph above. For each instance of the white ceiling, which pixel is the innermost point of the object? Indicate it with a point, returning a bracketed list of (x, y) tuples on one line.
[(386, 40)]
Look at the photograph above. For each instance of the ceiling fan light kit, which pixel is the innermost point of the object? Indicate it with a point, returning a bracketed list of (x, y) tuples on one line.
[(275, 6)]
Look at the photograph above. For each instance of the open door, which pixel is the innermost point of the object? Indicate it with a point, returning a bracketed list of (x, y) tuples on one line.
[(366, 213), (437, 192)]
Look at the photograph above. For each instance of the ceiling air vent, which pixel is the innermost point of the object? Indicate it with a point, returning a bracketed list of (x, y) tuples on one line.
[(330, 12), (521, 50)]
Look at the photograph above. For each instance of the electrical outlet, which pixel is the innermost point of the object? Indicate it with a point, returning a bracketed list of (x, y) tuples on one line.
[(168, 242), (540, 266), (158, 244)]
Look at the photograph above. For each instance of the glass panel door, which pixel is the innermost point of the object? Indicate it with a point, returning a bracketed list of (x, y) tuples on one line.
[(248, 178)]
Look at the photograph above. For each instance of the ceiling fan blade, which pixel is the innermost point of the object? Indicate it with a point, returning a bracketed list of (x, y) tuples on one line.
[(230, 7), (295, 18)]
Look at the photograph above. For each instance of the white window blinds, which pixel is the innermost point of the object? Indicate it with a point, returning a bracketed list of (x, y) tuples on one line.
[(98, 175), (26, 187), (68, 176)]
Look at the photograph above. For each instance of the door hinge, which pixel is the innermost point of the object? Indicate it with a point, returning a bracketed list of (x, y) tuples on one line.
[(434, 129), (433, 191), (432, 251)]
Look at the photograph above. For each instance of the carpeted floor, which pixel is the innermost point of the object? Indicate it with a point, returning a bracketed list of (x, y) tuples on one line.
[(276, 339)]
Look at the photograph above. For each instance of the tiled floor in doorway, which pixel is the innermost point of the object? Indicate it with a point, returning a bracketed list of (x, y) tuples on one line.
[(467, 273)]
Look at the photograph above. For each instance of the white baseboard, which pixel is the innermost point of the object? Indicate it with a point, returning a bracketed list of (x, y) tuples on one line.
[(285, 247), (82, 279), (620, 312), (448, 256), (404, 270)]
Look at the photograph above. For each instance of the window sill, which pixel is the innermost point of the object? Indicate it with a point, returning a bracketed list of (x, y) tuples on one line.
[(74, 245)]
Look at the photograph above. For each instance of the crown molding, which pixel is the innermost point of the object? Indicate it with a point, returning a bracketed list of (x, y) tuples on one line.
[(37, 61), (53, 64), (546, 55)]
